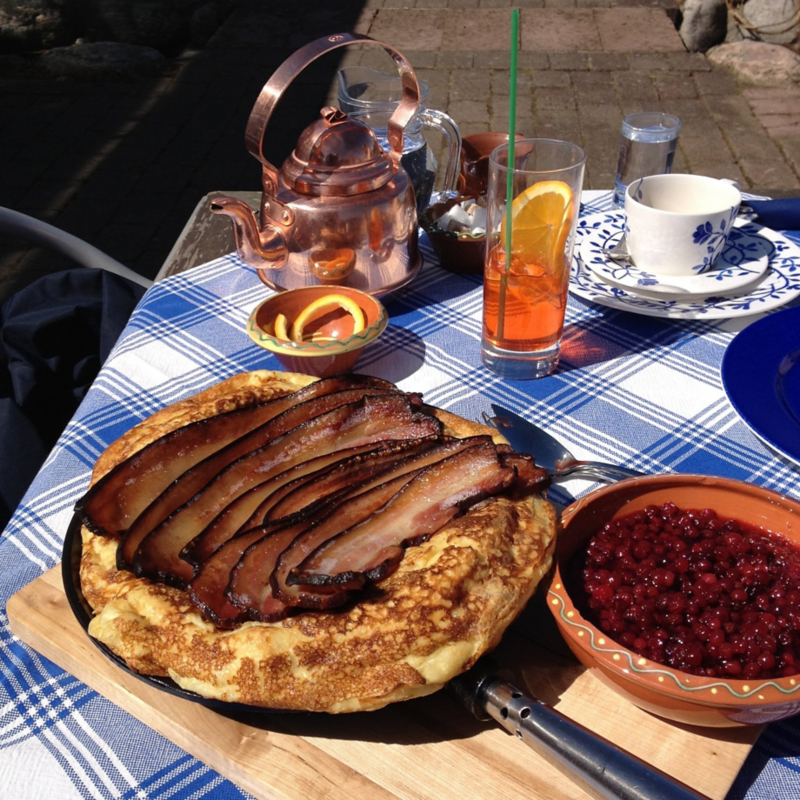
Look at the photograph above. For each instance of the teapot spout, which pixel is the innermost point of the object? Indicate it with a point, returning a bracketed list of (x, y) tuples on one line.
[(259, 248)]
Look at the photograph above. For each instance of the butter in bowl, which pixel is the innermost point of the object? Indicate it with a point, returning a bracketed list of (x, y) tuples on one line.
[(317, 330)]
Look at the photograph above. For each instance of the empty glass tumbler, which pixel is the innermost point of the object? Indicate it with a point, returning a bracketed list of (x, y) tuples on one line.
[(647, 147)]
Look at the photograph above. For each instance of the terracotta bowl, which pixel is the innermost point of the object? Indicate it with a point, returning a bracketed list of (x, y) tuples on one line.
[(325, 357), (461, 253), (666, 692), (475, 151)]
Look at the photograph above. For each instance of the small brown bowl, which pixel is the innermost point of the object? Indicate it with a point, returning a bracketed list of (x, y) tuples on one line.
[(475, 151), (320, 358), (461, 253), (666, 692)]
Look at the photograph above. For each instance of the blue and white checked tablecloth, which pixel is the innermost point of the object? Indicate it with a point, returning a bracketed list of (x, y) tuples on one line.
[(633, 390)]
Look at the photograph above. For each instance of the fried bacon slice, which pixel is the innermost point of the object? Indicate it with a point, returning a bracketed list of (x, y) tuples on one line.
[(529, 476), (195, 479), (370, 550), (334, 524), (321, 486), (373, 418), (250, 588), (256, 582), (345, 478), (238, 515), (113, 503), (207, 588)]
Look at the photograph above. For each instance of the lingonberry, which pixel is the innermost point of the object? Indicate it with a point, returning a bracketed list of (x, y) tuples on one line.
[(701, 594)]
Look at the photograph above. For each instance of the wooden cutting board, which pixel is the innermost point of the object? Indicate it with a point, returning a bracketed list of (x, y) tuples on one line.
[(424, 749)]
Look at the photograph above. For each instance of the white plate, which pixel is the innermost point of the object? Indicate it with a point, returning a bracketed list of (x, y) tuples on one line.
[(778, 285), (744, 259)]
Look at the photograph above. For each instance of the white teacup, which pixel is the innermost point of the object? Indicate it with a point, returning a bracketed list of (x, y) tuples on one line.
[(678, 224)]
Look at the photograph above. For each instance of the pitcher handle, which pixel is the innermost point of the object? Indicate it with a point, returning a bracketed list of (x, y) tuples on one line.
[(294, 65), (448, 128)]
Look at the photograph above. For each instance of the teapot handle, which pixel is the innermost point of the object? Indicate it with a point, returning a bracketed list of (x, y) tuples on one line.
[(294, 65)]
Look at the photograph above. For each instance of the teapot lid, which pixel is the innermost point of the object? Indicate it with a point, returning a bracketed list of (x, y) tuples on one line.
[(337, 155)]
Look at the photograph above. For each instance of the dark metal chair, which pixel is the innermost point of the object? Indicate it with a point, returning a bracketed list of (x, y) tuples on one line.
[(46, 235)]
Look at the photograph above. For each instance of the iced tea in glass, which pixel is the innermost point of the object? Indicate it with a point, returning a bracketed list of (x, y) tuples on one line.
[(525, 296)]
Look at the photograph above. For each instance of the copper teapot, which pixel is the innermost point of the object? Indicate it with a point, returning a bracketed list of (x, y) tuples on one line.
[(341, 210)]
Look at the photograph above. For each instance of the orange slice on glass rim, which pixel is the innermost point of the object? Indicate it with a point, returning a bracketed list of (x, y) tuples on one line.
[(541, 218)]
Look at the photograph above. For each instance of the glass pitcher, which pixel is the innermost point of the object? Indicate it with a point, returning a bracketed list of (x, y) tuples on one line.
[(372, 96)]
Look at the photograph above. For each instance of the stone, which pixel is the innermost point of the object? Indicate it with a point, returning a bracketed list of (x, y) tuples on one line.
[(143, 22), (771, 20), (27, 25), (205, 21), (758, 63), (167, 25), (162, 24), (734, 31), (103, 61), (704, 24)]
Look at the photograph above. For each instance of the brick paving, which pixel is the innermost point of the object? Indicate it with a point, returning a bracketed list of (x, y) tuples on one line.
[(122, 165)]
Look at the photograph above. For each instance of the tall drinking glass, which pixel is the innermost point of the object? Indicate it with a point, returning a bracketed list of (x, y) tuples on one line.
[(525, 297), (647, 147)]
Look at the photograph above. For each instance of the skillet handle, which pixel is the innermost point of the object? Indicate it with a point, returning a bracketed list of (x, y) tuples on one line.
[(603, 770)]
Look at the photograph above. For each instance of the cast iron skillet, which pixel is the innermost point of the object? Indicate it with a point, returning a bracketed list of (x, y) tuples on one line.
[(70, 573), (602, 769)]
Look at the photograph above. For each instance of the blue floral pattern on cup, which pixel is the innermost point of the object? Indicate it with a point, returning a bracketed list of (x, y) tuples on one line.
[(705, 234)]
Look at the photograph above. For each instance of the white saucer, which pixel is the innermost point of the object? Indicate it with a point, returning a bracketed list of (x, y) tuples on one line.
[(744, 259), (778, 285)]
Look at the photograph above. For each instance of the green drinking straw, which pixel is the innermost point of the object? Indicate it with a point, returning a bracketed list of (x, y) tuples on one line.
[(512, 118)]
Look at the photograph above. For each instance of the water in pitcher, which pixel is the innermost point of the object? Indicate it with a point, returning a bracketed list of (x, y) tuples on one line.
[(420, 164)]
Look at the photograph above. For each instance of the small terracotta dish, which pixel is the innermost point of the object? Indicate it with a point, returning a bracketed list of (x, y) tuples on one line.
[(461, 253), (339, 350), (666, 692), (475, 151)]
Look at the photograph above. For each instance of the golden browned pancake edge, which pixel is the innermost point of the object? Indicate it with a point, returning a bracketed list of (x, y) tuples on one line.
[(449, 602)]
